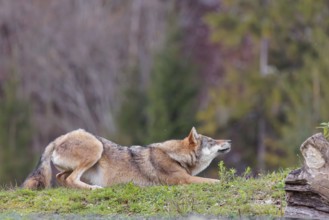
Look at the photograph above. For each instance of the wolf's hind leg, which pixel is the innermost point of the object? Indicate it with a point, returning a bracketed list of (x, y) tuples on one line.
[(73, 180), (61, 177), (74, 156)]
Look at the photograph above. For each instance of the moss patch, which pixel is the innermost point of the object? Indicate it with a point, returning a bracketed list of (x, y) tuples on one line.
[(234, 196)]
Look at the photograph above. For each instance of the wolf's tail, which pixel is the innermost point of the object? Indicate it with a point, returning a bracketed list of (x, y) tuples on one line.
[(40, 178)]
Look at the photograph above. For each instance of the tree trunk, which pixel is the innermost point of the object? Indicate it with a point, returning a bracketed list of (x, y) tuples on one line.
[(134, 31), (261, 148), (307, 189), (263, 68), (263, 57)]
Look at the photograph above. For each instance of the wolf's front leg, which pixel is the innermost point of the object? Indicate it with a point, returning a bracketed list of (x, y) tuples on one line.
[(196, 179)]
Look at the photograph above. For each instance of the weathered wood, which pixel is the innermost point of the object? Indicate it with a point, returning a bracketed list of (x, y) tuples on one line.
[(307, 188), (304, 212), (321, 186)]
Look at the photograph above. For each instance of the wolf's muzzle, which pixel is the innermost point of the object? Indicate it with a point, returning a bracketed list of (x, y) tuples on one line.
[(225, 147)]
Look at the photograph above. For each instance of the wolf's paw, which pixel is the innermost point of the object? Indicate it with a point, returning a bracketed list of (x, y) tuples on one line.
[(214, 181), (94, 187)]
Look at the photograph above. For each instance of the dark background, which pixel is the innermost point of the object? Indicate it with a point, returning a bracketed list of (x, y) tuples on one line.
[(143, 71)]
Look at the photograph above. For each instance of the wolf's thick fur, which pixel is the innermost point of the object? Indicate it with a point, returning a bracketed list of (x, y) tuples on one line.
[(89, 162)]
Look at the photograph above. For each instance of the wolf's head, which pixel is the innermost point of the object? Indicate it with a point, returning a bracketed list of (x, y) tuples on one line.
[(206, 149), (195, 152)]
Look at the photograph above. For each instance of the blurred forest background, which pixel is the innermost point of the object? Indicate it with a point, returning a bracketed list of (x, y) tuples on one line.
[(142, 71)]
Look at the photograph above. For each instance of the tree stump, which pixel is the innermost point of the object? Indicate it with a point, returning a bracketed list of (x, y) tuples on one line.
[(307, 189)]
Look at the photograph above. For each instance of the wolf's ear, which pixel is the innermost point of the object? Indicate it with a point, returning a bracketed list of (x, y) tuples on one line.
[(193, 136)]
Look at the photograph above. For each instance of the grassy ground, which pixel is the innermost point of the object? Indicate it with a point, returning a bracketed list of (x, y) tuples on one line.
[(234, 196)]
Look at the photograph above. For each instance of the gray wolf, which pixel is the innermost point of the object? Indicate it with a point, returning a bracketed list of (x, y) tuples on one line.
[(86, 161)]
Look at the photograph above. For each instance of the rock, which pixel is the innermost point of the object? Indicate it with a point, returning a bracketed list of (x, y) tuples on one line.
[(307, 188)]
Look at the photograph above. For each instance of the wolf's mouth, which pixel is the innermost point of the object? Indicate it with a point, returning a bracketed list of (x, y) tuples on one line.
[(224, 150)]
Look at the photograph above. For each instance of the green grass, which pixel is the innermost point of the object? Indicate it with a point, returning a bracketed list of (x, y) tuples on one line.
[(234, 196)]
